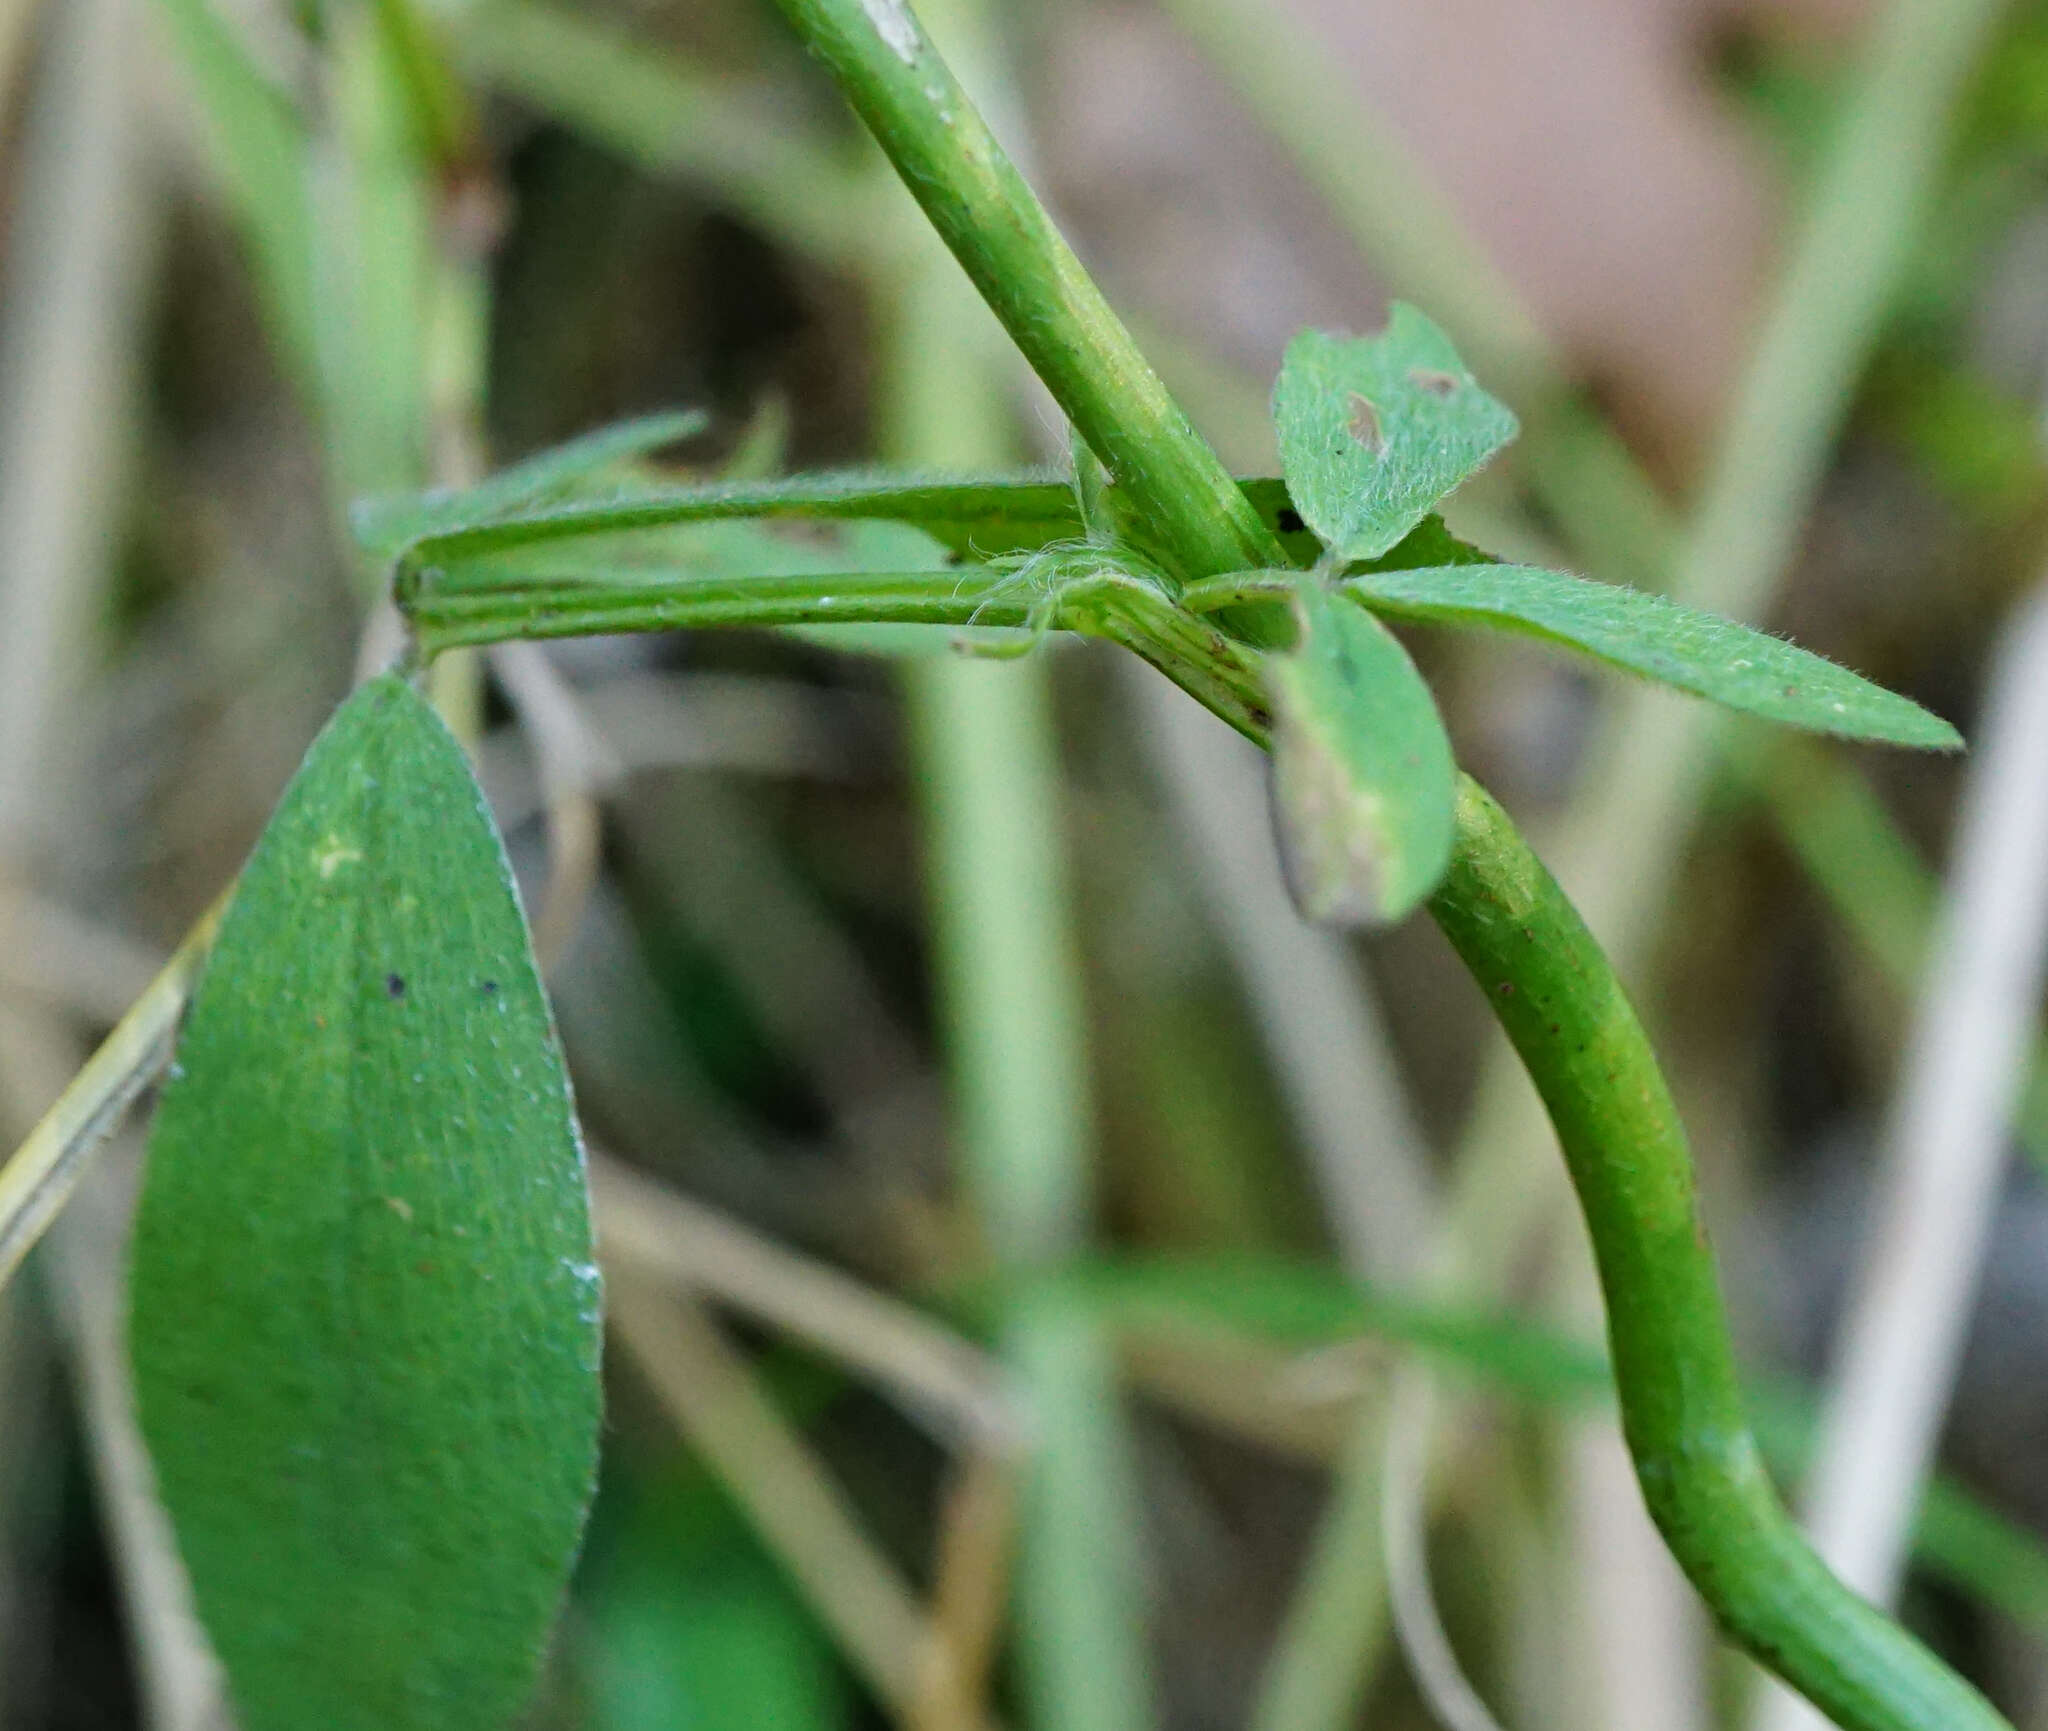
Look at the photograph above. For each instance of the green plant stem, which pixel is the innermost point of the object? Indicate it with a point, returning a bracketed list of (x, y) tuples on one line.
[(1541, 970), (1193, 653), (1028, 275), (1682, 1411), (1645, 772), (972, 596)]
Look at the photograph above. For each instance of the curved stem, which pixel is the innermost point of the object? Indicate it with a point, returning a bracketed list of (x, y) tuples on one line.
[(1560, 1004), (1543, 974)]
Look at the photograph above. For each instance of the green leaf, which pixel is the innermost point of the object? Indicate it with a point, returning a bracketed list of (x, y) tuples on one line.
[(1363, 780), (1643, 633), (582, 489), (1374, 431), (374, 249), (688, 1622), (972, 518), (591, 467), (364, 1325)]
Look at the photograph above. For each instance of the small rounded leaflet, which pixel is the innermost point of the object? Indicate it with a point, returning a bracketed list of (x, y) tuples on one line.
[(1363, 782)]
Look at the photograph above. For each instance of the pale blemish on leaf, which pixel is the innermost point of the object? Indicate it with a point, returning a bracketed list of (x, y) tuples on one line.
[(1364, 425), (1374, 431), (333, 853), (894, 24), (1363, 782)]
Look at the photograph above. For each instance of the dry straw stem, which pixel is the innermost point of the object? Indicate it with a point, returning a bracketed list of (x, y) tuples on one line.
[(42, 1172), (576, 767), (1902, 1337), (713, 1398), (1404, 1533), (73, 317), (75, 275), (182, 1681), (661, 1237)]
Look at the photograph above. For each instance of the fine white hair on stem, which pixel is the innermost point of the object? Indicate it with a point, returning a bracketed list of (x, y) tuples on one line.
[(1945, 1149), (1404, 1535)]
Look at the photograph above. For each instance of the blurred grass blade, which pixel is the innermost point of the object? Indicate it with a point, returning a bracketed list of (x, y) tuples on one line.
[(1363, 782), (376, 254), (1645, 634), (364, 1316), (441, 114), (688, 1621), (1957, 1538), (669, 118), (259, 144), (1375, 430)]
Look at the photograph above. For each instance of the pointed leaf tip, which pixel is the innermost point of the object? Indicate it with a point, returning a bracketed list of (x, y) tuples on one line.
[(1645, 634)]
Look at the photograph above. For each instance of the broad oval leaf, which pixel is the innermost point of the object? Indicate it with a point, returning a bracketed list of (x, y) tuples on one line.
[(364, 1309), (1645, 634), (1375, 430), (1363, 780)]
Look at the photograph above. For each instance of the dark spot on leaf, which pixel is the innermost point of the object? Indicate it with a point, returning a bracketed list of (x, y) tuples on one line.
[(806, 532), (394, 986), (1507, 988), (1289, 522), (490, 986), (1365, 424), (1435, 383)]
